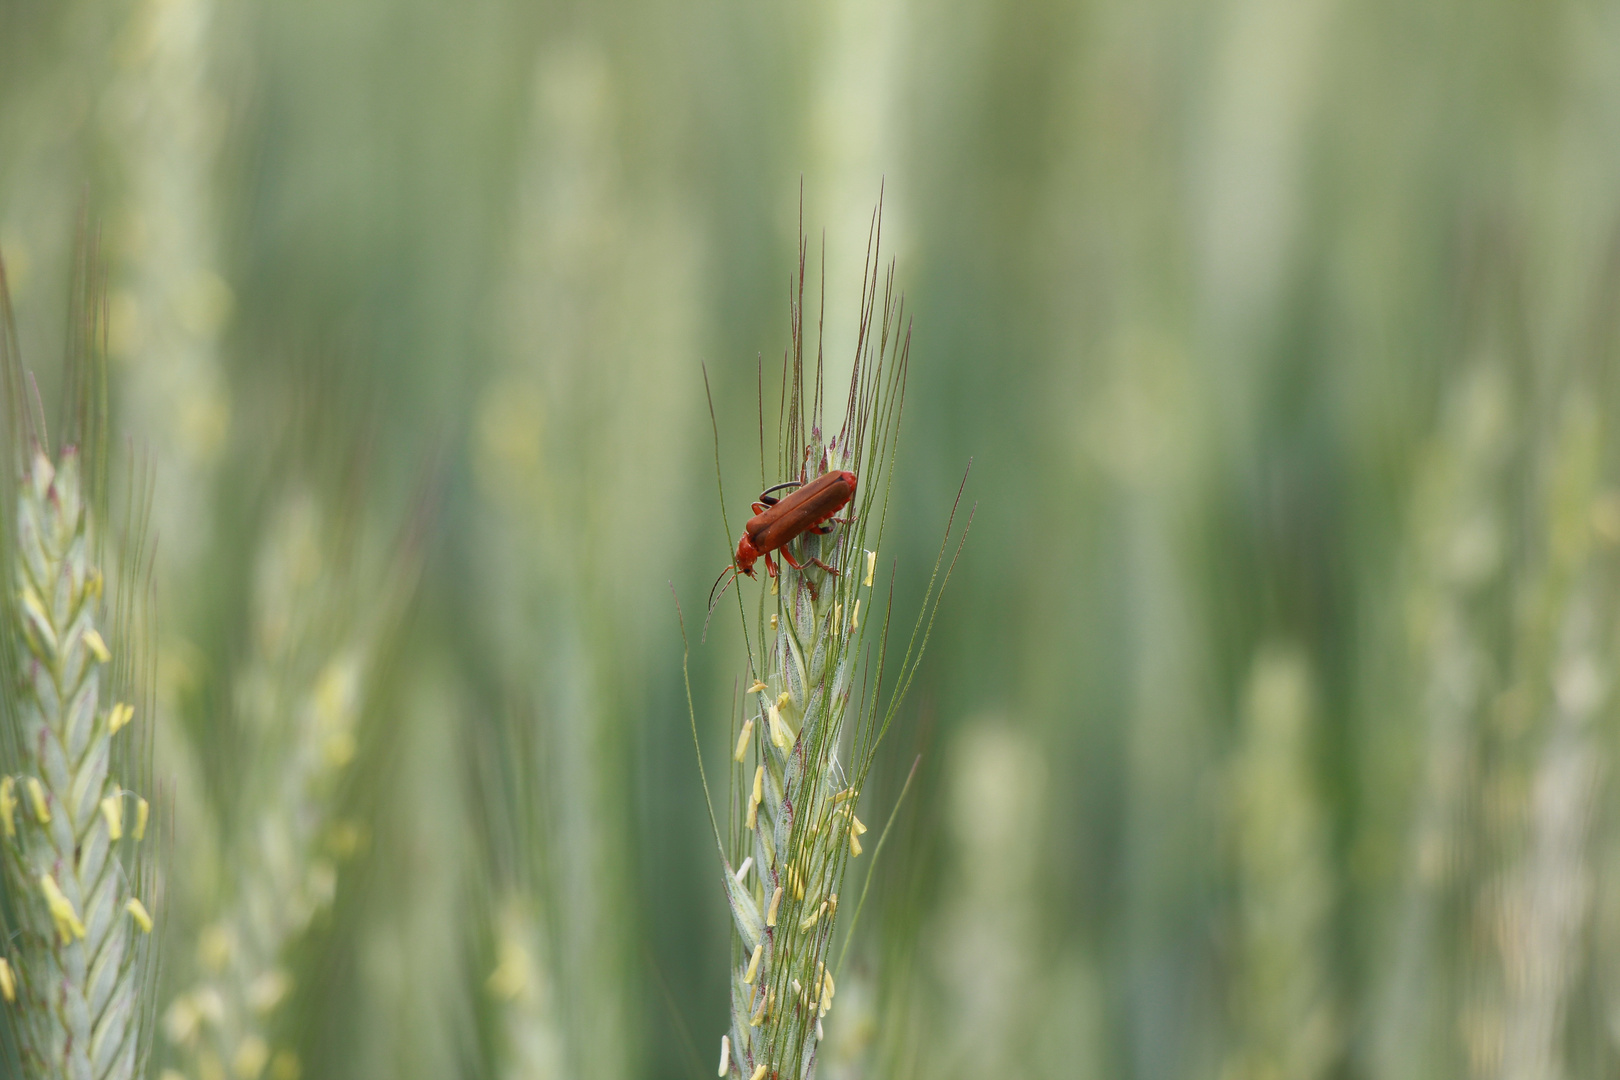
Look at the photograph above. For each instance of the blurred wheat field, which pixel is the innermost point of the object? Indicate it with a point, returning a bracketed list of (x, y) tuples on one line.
[(1269, 727)]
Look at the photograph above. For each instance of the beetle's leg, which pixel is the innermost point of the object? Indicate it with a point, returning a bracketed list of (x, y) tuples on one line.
[(770, 564), (831, 570), (791, 561), (759, 507)]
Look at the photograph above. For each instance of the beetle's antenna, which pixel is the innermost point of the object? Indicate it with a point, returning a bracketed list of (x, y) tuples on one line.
[(715, 599)]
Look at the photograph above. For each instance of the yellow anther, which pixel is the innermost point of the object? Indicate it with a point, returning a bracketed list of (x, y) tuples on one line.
[(725, 1055), (838, 613), (36, 609), (759, 1012), (773, 620), (871, 564), (759, 1073), (250, 1059), (814, 917), (784, 699), (113, 810), (97, 647), (742, 740), (780, 735), (8, 805), (143, 810), (753, 964), (795, 882), (855, 825), (855, 616), (742, 871), (8, 981), (756, 796), (121, 714), (36, 795), (138, 912), (776, 900), (758, 687), (798, 991), (832, 905), (854, 844), (842, 795), (67, 921)]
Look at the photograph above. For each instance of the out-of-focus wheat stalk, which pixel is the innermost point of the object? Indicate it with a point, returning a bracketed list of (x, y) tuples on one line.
[(984, 944), (794, 824), (323, 619), (1285, 1014), (165, 119), (77, 961), (1456, 553)]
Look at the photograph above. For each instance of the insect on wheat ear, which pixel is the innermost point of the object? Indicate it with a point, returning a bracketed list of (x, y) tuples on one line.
[(777, 522)]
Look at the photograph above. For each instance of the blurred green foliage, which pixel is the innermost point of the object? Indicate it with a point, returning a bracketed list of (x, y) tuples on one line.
[(1267, 730)]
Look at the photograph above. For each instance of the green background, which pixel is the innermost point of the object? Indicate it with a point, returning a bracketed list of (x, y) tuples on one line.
[(1268, 725)]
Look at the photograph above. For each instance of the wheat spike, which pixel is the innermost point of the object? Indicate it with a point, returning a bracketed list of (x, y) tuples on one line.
[(812, 721), (81, 940)]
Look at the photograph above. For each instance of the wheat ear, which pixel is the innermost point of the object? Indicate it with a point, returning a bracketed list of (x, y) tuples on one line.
[(794, 802), (76, 961)]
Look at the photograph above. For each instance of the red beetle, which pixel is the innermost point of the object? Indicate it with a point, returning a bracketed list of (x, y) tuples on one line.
[(777, 522)]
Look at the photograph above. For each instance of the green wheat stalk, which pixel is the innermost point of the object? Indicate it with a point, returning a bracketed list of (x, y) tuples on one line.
[(815, 709), (322, 626), (77, 959)]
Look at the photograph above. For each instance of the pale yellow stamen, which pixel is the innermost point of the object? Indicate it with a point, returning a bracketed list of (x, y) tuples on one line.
[(36, 795), (855, 615), (855, 825), (42, 623), (832, 904), (756, 796), (780, 735), (759, 1073), (67, 920), (113, 810), (854, 844), (742, 871), (250, 1059), (753, 964), (759, 1011), (142, 811), (784, 699), (742, 740), (773, 620), (838, 613), (814, 917), (776, 900), (871, 564), (8, 981), (97, 647), (121, 714), (758, 687), (725, 1055), (8, 805), (842, 795), (142, 917)]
